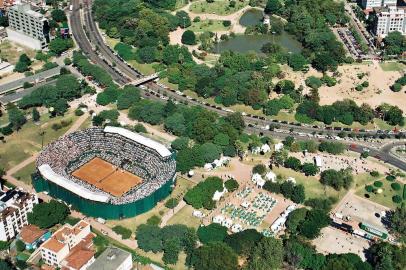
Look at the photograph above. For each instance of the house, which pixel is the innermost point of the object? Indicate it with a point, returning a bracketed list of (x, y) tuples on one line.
[(70, 247), (32, 236), (113, 259)]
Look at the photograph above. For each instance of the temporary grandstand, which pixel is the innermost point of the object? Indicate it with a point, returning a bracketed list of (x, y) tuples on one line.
[(110, 173)]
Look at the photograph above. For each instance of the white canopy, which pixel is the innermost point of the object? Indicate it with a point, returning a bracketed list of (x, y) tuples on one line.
[(218, 219), (236, 228), (245, 204), (160, 148), (277, 225), (265, 148), (256, 177), (270, 176), (318, 161), (47, 172), (218, 194), (278, 146)]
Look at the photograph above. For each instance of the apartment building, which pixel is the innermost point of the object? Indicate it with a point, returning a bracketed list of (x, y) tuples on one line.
[(388, 20), (14, 207), (27, 27), (70, 247), (370, 4)]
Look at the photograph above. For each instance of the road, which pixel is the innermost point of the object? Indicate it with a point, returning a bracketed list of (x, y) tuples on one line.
[(253, 121)]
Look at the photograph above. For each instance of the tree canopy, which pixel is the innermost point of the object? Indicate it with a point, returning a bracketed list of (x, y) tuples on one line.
[(46, 215)]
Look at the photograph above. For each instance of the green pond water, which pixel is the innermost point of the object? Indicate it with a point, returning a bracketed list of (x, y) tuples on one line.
[(246, 43)]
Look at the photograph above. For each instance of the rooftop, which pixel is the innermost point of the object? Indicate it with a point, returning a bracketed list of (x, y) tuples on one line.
[(78, 258), (30, 233), (110, 259)]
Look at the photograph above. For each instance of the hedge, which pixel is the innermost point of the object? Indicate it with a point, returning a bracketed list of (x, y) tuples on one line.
[(124, 232), (378, 184), (404, 192), (395, 186), (369, 188), (397, 199)]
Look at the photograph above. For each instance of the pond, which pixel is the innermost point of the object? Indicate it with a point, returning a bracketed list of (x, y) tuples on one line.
[(245, 43)]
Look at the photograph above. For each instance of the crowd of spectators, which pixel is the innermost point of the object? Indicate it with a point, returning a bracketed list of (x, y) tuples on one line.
[(74, 150)]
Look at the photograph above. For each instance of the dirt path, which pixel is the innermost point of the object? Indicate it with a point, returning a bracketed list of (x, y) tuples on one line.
[(168, 215)]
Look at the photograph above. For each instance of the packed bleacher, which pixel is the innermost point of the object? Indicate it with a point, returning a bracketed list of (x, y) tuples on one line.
[(72, 151)]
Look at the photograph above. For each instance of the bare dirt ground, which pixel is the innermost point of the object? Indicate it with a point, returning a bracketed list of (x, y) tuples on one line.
[(357, 164), (376, 93)]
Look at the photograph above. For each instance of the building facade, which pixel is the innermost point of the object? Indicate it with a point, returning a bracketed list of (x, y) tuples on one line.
[(14, 207), (28, 27), (370, 4), (69, 244), (388, 20)]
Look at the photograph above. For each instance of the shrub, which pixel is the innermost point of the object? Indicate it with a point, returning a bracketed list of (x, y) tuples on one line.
[(154, 220), (79, 112), (226, 23), (369, 188), (397, 199), (396, 87), (378, 184), (391, 178), (395, 186), (189, 37), (374, 173)]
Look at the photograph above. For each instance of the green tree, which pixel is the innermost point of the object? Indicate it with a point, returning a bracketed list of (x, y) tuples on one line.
[(59, 45), (183, 19), (260, 169), (16, 117), (171, 249), (46, 215), (231, 185), (35, 115), (310, 169), (397, 222), (20, 246), (127, 97), (180, 143), (297, 61), (149, 238), (243, 242), (211, 233), (273, 6), (5, 265), (171, 203), (58, 15), (293, 163), (123, 231), (189, 37), (214, 256), (267, 255)]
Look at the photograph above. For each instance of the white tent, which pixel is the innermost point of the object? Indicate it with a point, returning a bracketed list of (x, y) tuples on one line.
[(217, 163), (318, 161), (191, 173), (208, 167), (236, 228), (260, 183), (256, 177), (265, 148), (277, 225), (270, 176), (227, 223), (245, 204), (256, 150), (291, 179), (218, 219), (278, 147), (198, 214), (218, 194)]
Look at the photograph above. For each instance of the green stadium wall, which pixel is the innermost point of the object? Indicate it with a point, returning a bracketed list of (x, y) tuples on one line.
[(99, 209)]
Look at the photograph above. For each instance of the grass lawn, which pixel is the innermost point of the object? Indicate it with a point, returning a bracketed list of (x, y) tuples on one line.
[(313, 187), (182, 185), (219, 7), (184, 216), (392, 66), (165, 81), (25, 173), (208, 25), (146, 69), (11, 52), (384, 198), (27, 141), (4, 119)]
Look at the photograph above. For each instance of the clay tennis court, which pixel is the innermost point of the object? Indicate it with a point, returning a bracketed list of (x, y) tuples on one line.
[(107, 177)]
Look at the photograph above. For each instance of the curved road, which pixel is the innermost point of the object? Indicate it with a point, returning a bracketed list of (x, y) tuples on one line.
[(122, 73)]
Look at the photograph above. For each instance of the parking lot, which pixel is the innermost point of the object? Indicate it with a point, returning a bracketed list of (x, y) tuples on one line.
[(362, 210), (335, 241)]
